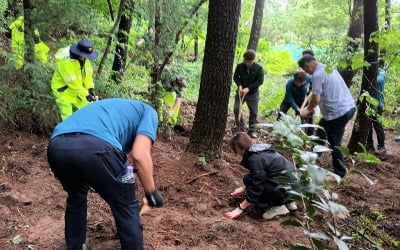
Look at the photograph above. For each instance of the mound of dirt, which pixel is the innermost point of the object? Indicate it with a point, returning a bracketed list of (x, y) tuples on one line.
[(32, 201)]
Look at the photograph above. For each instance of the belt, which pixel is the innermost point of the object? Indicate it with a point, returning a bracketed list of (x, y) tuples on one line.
[(73, 134)]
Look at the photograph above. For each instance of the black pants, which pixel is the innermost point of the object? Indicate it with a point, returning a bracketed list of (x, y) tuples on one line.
[(310, 120), (334, 130), (252, 103), (271, 196), (378, 127), (80, 161)]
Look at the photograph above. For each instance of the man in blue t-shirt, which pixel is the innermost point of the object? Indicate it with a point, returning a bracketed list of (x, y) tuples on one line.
[(89, 149), (376, 124)]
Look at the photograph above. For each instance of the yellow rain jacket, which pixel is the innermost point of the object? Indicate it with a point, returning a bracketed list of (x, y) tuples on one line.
[(18, 43), (70, 85)]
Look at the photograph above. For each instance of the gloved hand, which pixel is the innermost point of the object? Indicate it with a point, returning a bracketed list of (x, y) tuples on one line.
[(238, 192), (155, 199), (297, 112), (234, 214), (305, 112), (92, 97)]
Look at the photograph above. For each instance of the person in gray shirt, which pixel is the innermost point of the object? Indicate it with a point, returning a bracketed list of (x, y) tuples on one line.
[(337, 106)]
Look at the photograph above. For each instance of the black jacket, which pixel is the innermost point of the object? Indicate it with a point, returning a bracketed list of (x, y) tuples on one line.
[(265, 165), (249, 78)]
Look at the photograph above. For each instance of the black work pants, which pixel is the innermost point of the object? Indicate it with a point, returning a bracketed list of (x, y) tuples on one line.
[(79, 161), (310, 120), (334, 130), (380, 132), (271, 196), (252, 103)]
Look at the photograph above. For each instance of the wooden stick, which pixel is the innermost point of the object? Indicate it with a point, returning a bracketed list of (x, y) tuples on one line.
[(197, 177), (145, 207), (305, 101), (241, 99)]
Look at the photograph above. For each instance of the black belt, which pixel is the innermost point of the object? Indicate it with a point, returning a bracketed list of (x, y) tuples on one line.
[(73, 134)]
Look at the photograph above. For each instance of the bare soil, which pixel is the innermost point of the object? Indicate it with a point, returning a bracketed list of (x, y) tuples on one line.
[(32, 202)]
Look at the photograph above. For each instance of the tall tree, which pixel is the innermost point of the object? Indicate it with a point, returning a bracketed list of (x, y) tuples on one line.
[(216, 78), (28, 31), (121, 48), (256, 26), (354, 40), (371, 49)]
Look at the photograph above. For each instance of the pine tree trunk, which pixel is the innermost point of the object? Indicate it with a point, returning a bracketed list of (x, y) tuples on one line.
[(28, 32), (121, 49), (196, 48), (216, 78), (256, 26), (363, 122), (353, 34)]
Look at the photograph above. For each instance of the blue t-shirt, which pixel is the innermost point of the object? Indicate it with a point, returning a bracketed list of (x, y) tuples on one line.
[(116, 121), (380, 84), (295, 95)]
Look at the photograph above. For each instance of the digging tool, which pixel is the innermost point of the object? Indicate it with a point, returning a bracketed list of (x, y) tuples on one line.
[(303, 105), (145, 207), (241, 99)]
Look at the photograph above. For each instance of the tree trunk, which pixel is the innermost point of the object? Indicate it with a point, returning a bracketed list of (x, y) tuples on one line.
[(388, 14), (110, 9), (363, 122), (121, 49), (256, 26), (28, 32), (216, 78), (353, 34), (196, 48), (110, 37)]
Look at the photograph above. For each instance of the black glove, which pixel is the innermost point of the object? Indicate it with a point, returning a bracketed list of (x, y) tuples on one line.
[(92, 96), (155, 199), (297, 112)]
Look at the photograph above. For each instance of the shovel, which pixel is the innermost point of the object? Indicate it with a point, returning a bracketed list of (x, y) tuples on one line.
[(241, 99)]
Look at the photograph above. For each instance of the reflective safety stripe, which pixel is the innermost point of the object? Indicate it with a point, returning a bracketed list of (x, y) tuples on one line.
[(70, 78)]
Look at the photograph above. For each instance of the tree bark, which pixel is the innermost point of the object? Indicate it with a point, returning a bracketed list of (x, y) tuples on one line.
[(256, 26), (196, 48), (354, 35), (216, 78), (110, 9), (28, 32), (371, 49), (110, 36), (121, 48)]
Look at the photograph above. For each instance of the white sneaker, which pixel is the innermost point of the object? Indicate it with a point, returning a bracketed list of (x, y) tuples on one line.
[(275, 211), (291, 206)]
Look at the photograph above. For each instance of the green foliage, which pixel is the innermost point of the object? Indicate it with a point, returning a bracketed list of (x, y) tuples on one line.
[(28, 104), (202, 161)]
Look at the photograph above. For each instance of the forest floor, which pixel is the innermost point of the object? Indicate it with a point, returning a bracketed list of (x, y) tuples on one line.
[(32, 201)]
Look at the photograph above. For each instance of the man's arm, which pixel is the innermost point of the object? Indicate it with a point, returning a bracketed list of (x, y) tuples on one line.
[(289, 95), (314, 102), (141, 156), (258, 80), (236, 76)]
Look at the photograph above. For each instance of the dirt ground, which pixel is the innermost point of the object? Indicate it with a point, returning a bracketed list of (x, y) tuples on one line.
[(32, 202)]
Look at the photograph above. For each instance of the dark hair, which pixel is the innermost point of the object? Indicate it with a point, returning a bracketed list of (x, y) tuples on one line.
[(249, 55), (300, 76), (241, 141), (308, 52), (305, 59)]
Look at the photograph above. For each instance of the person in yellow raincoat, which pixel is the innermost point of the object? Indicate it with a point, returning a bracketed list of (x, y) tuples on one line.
[(18, 43), (172, 99), (72, 83)]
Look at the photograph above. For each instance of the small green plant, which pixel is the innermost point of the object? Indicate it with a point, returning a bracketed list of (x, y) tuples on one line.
[(202, 161)]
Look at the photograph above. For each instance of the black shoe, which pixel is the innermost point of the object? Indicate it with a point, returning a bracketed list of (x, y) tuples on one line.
[(381, 150), (370, 148), (252, 135)]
